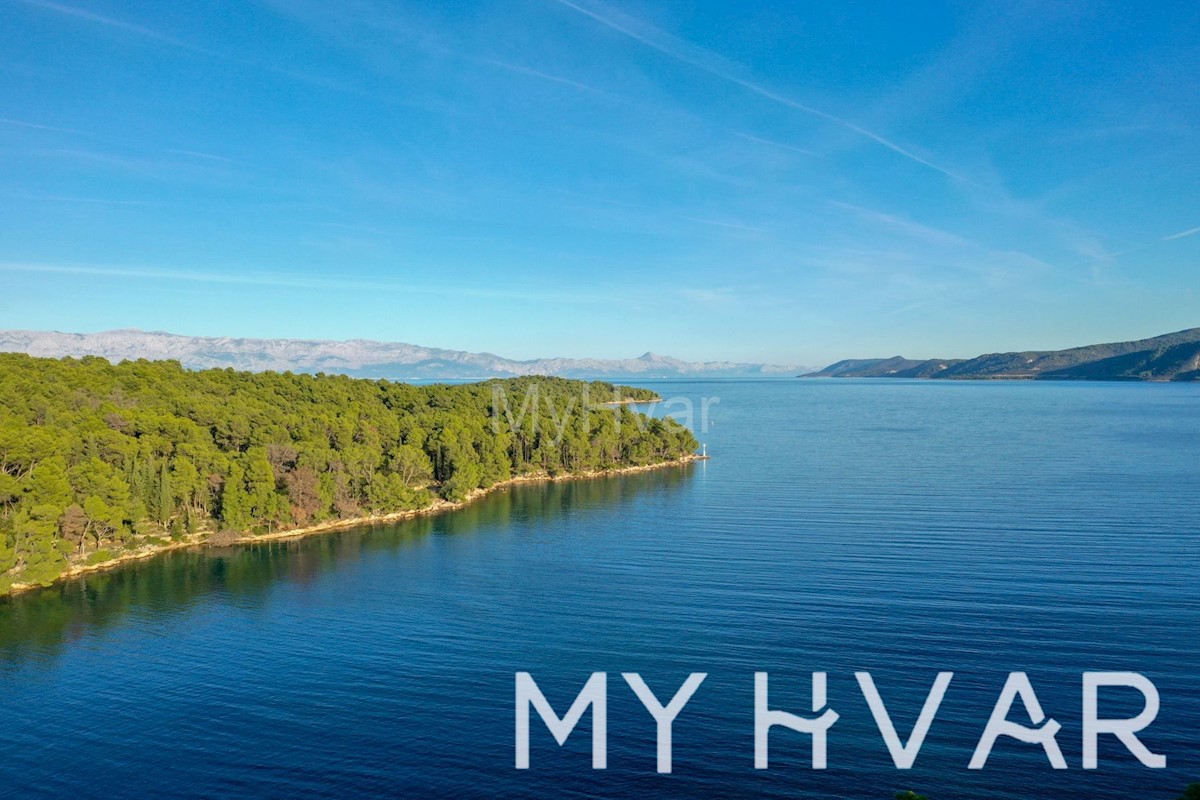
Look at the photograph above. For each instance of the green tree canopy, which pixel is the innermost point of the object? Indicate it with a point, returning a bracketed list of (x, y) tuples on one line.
[(100, 456)]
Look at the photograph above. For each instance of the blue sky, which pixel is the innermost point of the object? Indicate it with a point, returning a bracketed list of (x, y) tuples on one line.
[(785, 182)]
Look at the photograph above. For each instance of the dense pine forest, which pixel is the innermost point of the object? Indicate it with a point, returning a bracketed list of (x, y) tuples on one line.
[(97, 459)]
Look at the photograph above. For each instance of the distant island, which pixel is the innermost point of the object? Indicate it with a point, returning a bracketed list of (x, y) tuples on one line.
[(101, 463), (363, 358), (1173, 357)]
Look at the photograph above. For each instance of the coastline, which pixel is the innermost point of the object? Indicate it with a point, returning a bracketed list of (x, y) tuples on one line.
[(1013, 378), (438, 506), (630, 401)]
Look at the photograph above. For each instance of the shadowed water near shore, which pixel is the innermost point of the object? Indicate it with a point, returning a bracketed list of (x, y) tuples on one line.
[(902, 528), (36, 624)]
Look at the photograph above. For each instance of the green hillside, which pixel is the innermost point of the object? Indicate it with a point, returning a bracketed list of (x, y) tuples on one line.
[(1173, 357), (97, 459)]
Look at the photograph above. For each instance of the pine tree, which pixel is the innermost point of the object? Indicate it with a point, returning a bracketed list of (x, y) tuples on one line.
[(165, 501)]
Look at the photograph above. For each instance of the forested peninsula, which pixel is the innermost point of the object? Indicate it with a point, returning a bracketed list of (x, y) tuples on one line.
[(100, 462)]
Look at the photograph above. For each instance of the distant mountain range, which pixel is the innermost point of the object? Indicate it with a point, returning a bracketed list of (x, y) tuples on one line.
[(1173, 357), (358, 357)]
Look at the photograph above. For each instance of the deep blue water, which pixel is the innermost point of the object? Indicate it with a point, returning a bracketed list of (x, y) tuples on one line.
[(897, 527)]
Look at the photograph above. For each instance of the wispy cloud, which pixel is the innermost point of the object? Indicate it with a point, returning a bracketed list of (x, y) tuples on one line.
[(605, 200), (910, 307), (153, 166), (1101, 257), (905, 226), (285, 281), (1181, 235), (205, 156), (105, 201), (647, 211), (720, 223), (111, 22), (780, 145), (716, 297), (519, 69), (20, 123), (720, 67), (924, 254), (145, 32)]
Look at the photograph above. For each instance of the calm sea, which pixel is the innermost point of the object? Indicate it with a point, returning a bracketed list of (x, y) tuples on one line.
[(901, 528)]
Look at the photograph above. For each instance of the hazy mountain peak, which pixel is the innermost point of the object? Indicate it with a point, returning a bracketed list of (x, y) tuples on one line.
[(362, 357)]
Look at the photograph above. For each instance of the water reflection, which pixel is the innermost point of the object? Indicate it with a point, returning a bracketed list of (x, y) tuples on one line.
[(38, 624)]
